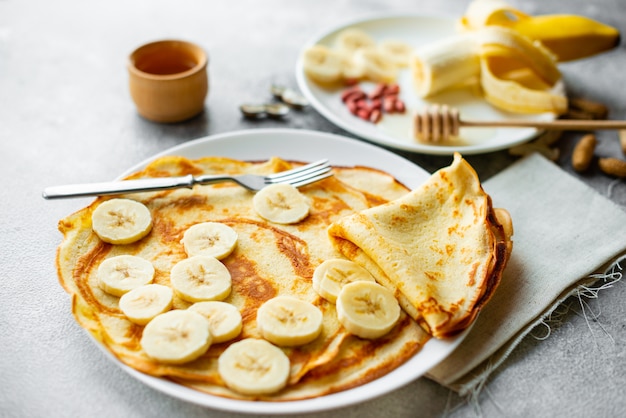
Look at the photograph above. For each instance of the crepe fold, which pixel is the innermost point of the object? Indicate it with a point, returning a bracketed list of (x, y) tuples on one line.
[(440, 248)]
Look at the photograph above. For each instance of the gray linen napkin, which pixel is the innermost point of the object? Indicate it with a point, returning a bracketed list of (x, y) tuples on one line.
[(565, 234)]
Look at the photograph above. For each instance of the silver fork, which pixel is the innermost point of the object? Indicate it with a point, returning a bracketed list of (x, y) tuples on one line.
[(297, 177)]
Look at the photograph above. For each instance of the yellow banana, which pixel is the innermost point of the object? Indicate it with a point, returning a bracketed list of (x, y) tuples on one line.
[(568, 37)]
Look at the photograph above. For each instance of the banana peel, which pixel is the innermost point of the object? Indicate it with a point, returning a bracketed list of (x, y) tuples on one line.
[(514, 73), (569, 37), (518, 58)]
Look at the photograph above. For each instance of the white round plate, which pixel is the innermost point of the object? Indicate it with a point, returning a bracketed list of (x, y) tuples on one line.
[(395, 130), (305, 146)]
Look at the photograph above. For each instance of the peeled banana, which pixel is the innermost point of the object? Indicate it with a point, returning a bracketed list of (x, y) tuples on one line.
[(121, 221), (445, 64), (254, 367), (495, 56)]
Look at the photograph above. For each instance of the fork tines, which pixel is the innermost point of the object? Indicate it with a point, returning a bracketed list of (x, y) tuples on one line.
[(300, 176)]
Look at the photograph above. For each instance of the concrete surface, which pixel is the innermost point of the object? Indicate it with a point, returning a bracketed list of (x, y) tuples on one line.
[(66, 116)]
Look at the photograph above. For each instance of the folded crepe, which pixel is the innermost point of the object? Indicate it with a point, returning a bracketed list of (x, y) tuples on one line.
[(440, 248)]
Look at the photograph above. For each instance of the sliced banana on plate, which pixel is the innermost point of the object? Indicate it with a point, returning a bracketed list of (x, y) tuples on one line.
[(367, 309), (288, 321), (213, 239), (330, 276), (225, 322), (322, 64), (121, 221), (254, 367), (376, 65), (200, 278), (176, 337), (399, 52), (142, 304), (281, 203), (123, 273), (353, 39)]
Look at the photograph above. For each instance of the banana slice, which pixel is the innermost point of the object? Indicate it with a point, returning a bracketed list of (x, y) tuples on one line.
[(353, 39), (254, 367), (121, 221), (176, 337), (281, 203), (399, 52), (287, 321), (376, 64), (123, 273), (367, 310), (213, 239), (322, 64), (350, 68), (142, 304), (200, 278), (225, 321), (330, 276)]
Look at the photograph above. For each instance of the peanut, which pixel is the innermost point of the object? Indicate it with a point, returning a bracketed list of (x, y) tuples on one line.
[(376, 115), (595, 110), (583, 153), (613, 167), (378, 91), (354, 93), (371, 107)]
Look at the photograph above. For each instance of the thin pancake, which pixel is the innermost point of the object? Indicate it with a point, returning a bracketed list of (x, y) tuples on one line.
[(269, 260), (440, 248)]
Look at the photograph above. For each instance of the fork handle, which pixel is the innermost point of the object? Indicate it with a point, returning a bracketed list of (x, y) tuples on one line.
[(118, 187)]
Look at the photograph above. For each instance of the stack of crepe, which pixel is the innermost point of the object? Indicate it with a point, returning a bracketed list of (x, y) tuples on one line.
[(441, 248)]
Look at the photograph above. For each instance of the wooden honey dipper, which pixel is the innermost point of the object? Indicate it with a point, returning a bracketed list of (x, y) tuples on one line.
[(439, 123)]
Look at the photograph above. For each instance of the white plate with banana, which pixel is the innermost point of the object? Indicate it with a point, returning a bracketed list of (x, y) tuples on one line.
[(402, 36), (259, 145)]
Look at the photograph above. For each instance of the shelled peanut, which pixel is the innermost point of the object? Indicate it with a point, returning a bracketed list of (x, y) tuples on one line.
[(579, 108), (384, 98), (583, 152), (613, 167)]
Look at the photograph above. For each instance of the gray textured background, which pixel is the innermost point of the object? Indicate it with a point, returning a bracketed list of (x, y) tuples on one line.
[(65, 114)]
